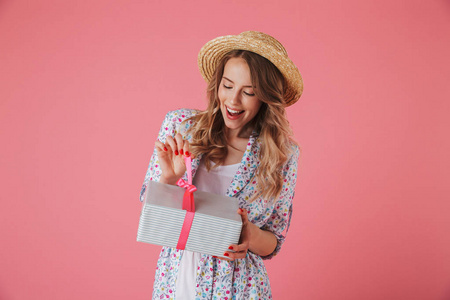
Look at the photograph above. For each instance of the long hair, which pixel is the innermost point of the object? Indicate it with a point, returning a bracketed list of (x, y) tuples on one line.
[(208, 131)]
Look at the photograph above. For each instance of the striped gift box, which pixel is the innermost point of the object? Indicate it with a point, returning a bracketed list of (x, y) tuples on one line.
[(216, 223)]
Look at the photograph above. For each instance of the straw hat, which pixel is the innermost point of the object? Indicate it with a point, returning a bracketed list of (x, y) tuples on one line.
[(257, 42)]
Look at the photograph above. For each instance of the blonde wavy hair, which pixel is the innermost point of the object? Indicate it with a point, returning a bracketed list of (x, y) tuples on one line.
[(270, 123)]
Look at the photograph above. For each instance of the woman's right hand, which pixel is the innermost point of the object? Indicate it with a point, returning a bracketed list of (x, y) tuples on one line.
[(171, 158)]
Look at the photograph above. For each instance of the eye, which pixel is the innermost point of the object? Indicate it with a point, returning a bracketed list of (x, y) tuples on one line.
[(249, 94), (227, 87)]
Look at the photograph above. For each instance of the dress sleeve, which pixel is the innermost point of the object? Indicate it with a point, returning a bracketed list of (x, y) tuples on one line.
[(280, 218), (154, 170)]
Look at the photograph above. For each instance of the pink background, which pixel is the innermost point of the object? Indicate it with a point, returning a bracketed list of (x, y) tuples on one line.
[(84, 86)]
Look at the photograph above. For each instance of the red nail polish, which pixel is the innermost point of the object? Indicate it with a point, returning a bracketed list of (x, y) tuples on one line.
[(187, 153), (165, 149), (231, 247), (226, 254), (181, 151), (176, 152)]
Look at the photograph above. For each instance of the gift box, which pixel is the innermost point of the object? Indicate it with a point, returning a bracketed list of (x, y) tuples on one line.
[(182, 218)]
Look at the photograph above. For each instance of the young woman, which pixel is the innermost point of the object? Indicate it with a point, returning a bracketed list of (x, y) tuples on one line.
[(241, 147)]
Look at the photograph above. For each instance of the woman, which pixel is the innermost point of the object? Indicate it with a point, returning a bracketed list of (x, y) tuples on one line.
[(242, 148)]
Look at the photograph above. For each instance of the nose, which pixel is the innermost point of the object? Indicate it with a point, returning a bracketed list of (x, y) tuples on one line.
[(235, 98)]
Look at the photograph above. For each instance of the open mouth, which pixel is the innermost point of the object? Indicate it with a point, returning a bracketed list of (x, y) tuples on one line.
[(233, 112)]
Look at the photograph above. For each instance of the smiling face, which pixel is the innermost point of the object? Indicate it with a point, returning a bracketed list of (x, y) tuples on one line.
[(238, 102)]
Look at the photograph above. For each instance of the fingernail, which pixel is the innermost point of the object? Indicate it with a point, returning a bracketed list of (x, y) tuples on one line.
[(226, 254), (181, 151), (176, 152), (231, 247), (165, 149), (214, 256), (187, 153)]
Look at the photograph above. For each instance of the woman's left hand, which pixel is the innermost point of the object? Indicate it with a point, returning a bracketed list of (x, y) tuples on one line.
[(240, 250)]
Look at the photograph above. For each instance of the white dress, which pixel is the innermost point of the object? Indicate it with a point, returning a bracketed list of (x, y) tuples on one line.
[(215, 181)]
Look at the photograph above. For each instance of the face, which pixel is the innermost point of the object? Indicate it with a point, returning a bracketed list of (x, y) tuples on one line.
[(238, 102)]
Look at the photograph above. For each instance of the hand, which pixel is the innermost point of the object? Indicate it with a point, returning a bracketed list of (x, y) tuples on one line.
[(171, 158), (240, 250)]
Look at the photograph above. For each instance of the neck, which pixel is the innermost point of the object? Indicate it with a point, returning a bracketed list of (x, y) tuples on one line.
[(237, 143), (238, 134)]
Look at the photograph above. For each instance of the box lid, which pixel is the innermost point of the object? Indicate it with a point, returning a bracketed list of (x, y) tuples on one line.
[(171, 197)]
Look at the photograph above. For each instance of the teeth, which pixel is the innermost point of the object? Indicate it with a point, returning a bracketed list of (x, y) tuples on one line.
[(234, 111)]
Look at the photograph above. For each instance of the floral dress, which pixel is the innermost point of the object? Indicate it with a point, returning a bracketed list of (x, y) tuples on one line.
[(245, 278)]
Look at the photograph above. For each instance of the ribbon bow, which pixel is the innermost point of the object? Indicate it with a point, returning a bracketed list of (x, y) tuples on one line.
[(188, 198)]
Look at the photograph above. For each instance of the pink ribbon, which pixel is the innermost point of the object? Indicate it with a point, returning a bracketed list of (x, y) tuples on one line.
[(188, 205)]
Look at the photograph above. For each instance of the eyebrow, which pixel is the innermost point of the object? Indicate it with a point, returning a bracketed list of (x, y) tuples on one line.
[(249, 86)]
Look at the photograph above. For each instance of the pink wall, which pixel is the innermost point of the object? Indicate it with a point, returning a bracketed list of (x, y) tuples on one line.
[(84, 86)]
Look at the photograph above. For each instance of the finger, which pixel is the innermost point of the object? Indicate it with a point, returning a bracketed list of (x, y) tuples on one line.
[(239, 255), (173, 145), (234, 255), (160, 146), (167, 146), (244, 215), (240, 247), (228, 256), (180, 142), (186, 148)]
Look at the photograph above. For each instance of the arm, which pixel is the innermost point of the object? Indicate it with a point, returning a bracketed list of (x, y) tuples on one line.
[(262, 242), (267, 240), (153, 170), (258, 241), (168, 130)]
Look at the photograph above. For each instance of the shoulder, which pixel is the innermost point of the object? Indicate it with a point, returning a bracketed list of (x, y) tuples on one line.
[(180, 115), (292, 154), (174, 122), (295, 150)]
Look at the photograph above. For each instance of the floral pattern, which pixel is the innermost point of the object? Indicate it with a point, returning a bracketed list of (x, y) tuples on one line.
[(219, 279)]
